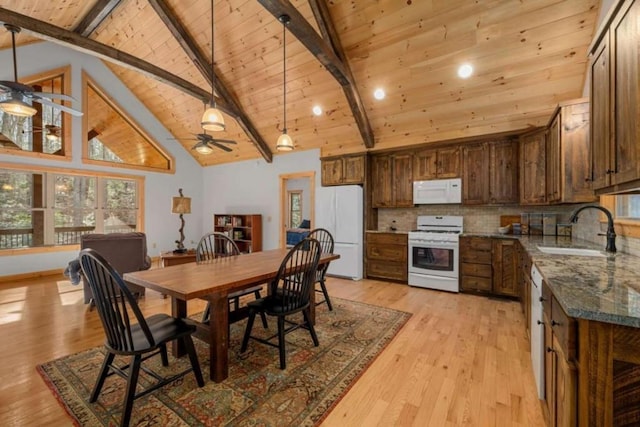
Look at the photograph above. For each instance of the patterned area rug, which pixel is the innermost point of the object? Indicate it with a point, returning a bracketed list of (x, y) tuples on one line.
[(257, 392)]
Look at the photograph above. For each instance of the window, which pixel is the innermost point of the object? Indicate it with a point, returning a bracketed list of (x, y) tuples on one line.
[(628, 207), (295, 208), (47, 132), (114, 138), (54, 208)]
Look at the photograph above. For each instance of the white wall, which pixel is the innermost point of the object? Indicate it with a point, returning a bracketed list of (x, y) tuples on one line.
[(252, 187), (160, 225)]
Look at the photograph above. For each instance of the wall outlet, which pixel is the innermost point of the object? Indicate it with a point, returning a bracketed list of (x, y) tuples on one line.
[(153, 245)]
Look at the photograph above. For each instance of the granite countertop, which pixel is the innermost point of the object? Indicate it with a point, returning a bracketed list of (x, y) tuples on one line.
[(605, 289)]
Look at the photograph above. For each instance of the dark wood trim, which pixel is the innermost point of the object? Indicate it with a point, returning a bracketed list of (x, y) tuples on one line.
[(198, 57), (329, 33), (74, 41), (96, 15)]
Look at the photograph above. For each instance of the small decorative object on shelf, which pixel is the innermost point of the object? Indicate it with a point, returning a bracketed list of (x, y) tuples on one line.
[(181, 205), (244, 229)]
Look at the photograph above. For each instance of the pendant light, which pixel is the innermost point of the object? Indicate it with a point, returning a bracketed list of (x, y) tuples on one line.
[(285, 143), (212, 118)]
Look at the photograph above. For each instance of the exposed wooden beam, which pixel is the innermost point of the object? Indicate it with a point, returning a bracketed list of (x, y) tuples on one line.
[(96, 15), (196, 55), (74, 41), (325, 53), (328, 30)]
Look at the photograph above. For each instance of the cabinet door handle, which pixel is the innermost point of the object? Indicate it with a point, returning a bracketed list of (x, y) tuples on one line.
[(588, 180), (550, 350), (541, 299), (610, 171), (540, 322), (554, 323)]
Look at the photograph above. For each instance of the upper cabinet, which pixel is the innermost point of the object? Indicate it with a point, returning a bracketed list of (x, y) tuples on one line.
[(490, 173), (615, 94), (437, 163), (554, 162), (533, 167), (392, 180), (343, 170)]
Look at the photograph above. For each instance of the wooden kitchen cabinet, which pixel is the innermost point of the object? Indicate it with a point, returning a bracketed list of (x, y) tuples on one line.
[(343, 170), (560, 373), (392, 180), (437, 163), (475, 174), (505, 267), (490, 173), (476, 273), (503, 172), (568, 178), (386, 256), (533, 168), (615, 90)]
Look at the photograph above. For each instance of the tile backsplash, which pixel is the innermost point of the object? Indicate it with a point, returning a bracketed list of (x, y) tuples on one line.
[(486, 219)]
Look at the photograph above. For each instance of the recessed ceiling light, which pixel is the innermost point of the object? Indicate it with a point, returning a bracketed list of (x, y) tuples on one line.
[(317, 110), (465, 71), (379, 94)]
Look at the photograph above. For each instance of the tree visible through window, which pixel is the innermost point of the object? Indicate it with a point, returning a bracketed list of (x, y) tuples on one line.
[(51, 208), (295, 208)]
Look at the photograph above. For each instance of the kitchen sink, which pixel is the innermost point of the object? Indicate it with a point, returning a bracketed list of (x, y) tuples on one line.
[(570, 251)]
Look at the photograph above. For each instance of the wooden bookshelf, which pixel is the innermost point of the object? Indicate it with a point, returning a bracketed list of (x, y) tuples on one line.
[(245, 230)]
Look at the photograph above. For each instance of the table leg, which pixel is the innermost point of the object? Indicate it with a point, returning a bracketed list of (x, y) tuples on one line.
[(179, 310), (219, 338)]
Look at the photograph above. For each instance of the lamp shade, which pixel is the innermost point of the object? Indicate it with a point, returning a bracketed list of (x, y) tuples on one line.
[(204, 149), (212, 119), (285, 143), (17, 107), (181, 205)]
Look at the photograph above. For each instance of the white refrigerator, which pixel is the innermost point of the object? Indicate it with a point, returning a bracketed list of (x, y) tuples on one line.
[(339, 209)]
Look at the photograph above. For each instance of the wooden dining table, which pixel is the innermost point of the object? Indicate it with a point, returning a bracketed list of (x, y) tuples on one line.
[(213, 281)]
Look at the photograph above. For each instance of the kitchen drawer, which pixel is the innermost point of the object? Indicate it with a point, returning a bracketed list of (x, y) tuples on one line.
[(478, 257), (476, 243), (564, 328), (388, 238), (380, 252), (472, 283), (387, 270), (477, 270)]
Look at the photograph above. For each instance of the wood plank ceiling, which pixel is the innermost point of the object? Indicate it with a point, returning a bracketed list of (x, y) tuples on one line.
[(528, 56)]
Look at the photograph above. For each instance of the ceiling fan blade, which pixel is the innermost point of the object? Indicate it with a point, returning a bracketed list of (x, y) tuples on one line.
[(15, 86), (226, 141), (59, 107), (220, 146), (61, 96)]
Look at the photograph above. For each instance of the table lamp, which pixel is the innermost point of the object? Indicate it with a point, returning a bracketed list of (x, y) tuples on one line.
[(181, 205)]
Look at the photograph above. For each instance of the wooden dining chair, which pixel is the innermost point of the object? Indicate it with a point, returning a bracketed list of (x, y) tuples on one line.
[(218, 245), (289, 293), (117, 307), (326, 243)]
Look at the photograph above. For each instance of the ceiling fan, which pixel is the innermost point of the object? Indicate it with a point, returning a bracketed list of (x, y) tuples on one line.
[(52, 132), (206, 143), (18, 97)]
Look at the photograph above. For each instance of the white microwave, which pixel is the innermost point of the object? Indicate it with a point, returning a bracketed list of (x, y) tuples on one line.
[(437, 191)]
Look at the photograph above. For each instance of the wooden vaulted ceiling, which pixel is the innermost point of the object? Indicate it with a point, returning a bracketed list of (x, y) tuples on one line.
[(528, 56)]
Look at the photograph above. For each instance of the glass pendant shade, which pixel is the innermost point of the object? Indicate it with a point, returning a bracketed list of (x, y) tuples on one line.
[(204, 149), (17, 107), (212, 119), (285, 143)]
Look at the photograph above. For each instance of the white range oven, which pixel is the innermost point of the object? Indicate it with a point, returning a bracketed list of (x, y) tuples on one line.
[(434, 249)]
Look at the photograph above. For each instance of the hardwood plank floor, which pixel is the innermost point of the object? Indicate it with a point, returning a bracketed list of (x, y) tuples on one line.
[(461, 360)]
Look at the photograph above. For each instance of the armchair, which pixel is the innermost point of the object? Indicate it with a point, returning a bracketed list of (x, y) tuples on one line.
[(125, 252)]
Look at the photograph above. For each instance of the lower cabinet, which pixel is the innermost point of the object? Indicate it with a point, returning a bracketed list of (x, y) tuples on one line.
[(560, 373), (489, 265), (387, 256)]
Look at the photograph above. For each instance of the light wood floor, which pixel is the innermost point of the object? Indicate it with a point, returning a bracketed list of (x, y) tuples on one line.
[(460, 360)]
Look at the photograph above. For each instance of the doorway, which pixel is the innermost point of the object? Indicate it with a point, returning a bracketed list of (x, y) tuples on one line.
[(297, 201)]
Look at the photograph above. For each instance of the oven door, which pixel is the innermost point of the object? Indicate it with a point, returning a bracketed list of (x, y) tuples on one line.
[(433, 258)]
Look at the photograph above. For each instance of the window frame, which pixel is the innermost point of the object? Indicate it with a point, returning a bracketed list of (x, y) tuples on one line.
[(66, 117), (49, 173)]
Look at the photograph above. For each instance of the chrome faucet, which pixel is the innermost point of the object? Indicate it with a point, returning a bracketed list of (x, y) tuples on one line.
[(611, 232)]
